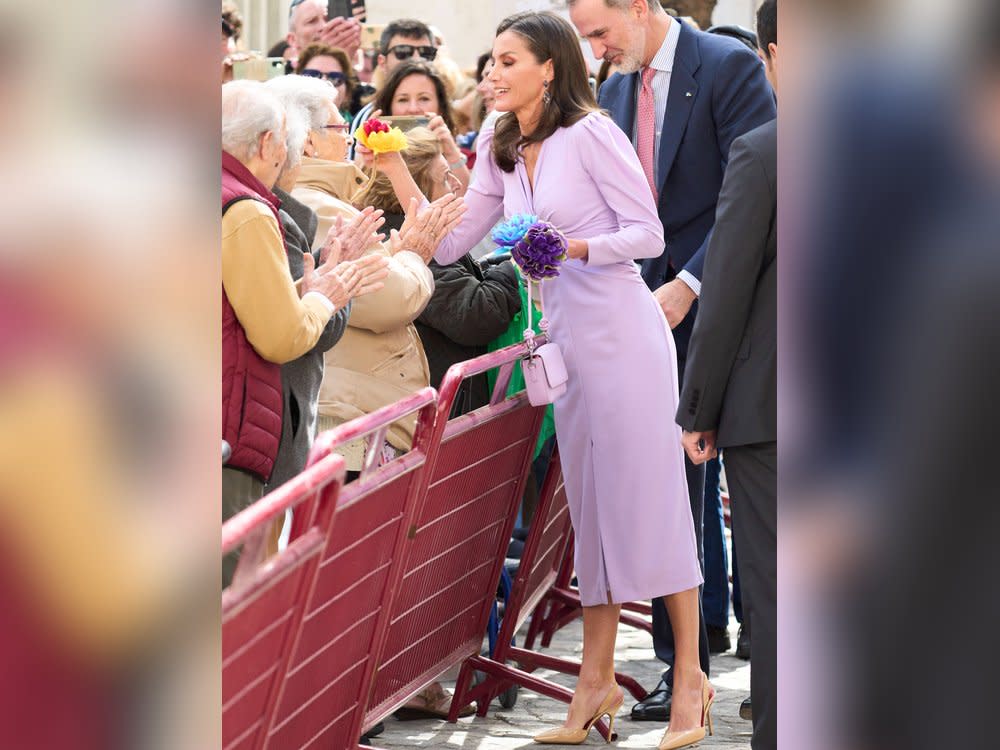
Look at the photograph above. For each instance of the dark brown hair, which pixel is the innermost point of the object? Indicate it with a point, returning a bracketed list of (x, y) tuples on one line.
[(548, 37), (383, 100), (324, 50)]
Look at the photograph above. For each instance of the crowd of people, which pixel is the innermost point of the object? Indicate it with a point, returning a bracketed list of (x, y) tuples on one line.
[(352, 279)]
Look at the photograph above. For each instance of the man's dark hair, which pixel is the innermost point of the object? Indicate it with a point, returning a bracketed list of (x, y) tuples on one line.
[(767, 25), (406, 27)]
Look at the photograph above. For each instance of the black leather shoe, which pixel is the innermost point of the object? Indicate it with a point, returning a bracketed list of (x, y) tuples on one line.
[(655, 706), (743, 642), (718, 640), (746, 710), (375, 731)]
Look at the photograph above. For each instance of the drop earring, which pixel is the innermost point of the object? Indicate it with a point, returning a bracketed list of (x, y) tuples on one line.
[(546, 96)]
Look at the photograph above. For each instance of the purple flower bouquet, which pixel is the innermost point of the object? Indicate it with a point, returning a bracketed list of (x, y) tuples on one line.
[(537, 247)]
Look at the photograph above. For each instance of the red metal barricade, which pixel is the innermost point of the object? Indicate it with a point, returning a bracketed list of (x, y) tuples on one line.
[(541, 562), (262, 609), (457, 546), (321, 704)]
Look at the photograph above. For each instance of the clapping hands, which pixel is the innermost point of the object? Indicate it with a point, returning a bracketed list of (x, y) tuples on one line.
[(355, 236), (340, 281)]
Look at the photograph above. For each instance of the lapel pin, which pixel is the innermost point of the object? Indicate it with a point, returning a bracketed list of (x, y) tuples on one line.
[(688, 94)]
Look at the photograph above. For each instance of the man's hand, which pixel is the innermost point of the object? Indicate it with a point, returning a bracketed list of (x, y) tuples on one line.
[(355, 236), (675, 298), (699, 446), (422, 231), (344, 33)]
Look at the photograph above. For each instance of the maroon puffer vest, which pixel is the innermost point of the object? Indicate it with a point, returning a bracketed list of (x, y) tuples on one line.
[(251, 386)]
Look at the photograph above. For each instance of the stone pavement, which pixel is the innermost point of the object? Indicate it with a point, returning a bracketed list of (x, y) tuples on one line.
[(503, 729)]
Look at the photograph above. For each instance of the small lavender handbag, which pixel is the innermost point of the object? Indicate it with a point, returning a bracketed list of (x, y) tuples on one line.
[(538, 249), (544, 370)]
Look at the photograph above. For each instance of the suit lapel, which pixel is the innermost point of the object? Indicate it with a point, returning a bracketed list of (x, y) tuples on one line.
[(680, 100), (623, 109)]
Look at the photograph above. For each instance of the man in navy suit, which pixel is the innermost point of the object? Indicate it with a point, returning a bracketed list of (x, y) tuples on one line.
[(707, 91)]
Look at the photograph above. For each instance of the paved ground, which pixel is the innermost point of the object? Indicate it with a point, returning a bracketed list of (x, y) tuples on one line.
[(506, 729)]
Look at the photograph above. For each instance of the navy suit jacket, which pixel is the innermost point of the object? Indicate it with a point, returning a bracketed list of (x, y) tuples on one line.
[(718, 92)]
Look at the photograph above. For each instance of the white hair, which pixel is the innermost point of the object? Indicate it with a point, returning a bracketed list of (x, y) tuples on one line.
[(298, 131), (293, 14), (249, 111), (314, 97)]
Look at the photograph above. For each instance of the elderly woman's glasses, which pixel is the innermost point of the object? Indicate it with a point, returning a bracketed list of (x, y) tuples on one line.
[(341, 127), (334, 76)]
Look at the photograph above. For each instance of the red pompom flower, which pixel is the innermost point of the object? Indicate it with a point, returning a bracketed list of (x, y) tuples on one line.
[(373, 125)]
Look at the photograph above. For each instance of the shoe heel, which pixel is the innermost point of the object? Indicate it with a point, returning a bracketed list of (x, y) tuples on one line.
[(611, 728), (708, 721)]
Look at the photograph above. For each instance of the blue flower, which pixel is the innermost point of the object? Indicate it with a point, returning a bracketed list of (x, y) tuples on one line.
[(507, 233)]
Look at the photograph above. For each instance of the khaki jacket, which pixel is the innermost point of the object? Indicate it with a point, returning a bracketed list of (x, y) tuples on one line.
[(380, 358)]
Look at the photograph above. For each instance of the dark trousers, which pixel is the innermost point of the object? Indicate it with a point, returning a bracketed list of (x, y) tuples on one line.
[(752, 473), (737, 591), (715, 592), (663, 634)]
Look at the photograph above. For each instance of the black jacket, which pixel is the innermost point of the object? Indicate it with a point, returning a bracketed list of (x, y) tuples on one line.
[(731, 378), (469, 308)]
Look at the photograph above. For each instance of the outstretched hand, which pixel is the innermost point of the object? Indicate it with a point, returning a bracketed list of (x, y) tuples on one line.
[(423, 230)]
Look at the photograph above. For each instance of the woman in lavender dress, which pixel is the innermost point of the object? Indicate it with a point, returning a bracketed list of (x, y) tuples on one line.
[(555, 155)]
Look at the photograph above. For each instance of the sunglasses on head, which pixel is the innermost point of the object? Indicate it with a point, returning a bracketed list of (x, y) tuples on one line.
[(334, 77), (405, 51)]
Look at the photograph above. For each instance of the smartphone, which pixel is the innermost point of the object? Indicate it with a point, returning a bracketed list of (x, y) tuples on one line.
[(371, 35), (338, 9), (407, 122)]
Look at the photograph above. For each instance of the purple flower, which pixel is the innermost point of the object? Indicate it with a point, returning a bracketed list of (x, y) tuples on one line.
[(540, 252), (507, 233)]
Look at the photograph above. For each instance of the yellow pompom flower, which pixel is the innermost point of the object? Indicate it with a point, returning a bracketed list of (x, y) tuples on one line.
[(380, 138)]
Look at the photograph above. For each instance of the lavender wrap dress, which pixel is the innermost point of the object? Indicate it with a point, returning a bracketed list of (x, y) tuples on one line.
[(621, 452)]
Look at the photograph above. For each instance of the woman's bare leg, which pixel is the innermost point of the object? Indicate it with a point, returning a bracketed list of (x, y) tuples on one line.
[(597, 672), (685, 705)]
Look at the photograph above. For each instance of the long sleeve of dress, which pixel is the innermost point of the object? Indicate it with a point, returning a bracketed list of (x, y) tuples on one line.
[(611, 162), (484, 199)]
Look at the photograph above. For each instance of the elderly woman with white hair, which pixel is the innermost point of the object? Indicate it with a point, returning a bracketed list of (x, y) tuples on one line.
[(266, 320), (380, 358), (301, 378)]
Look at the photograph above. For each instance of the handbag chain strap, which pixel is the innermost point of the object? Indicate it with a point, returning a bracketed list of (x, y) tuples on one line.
[(543, 324)]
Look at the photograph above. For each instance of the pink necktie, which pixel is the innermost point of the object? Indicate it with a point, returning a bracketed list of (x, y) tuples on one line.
[(645, 130)]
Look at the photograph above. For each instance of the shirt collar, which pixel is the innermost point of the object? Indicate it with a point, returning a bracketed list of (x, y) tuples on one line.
[(663, 60)]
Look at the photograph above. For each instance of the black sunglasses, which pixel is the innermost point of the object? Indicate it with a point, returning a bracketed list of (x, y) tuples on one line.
[(334, 77), (405, 51)]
